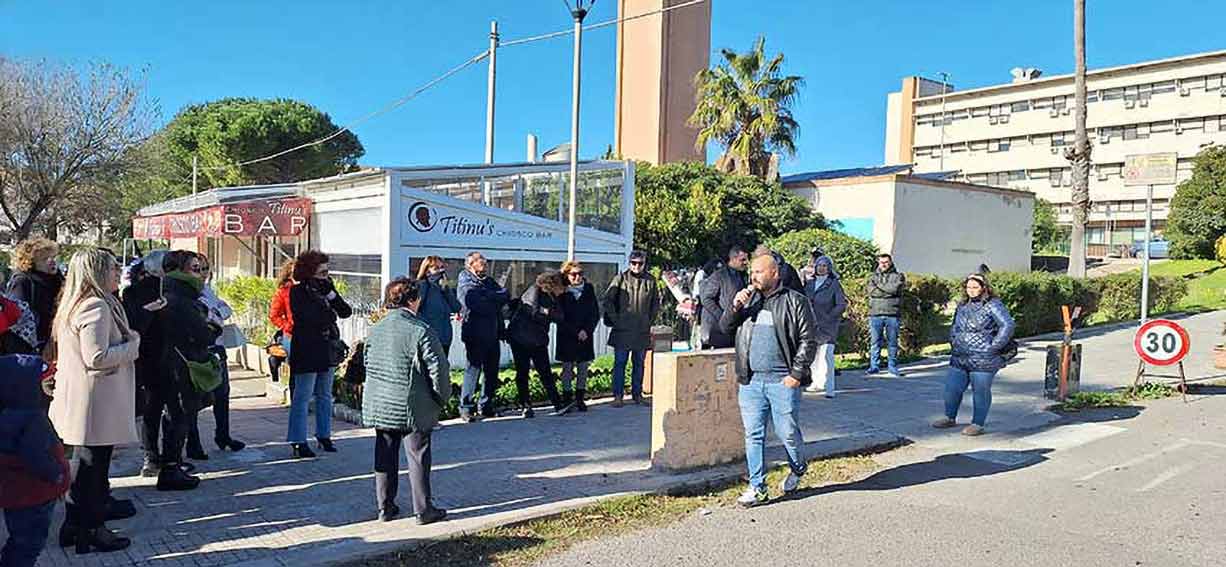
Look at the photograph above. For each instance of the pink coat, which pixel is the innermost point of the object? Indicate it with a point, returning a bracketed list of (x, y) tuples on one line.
[(95, 384)]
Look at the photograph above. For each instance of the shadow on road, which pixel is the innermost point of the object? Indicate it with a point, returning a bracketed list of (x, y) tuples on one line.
[(1101, 415), (955, 465)]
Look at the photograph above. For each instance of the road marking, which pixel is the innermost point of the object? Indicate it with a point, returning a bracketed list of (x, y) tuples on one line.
[(1069, 436), (1205, 443), (1165, 476), (1136, 461)]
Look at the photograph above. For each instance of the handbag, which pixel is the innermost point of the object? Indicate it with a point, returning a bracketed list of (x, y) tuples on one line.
[(1009, 351), (338, 351), (205, 376)]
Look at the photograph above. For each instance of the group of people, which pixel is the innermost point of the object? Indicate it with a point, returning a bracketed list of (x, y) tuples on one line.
[(83, 363), (784, 333)]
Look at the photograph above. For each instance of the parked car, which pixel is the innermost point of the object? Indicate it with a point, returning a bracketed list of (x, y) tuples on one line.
[(1158, 248)]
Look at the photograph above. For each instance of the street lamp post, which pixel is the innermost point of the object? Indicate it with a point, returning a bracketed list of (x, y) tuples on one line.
[(578, 13), (944, 91)]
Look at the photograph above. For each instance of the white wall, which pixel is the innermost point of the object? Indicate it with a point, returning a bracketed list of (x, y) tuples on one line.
[(950, 231), (873, 200)]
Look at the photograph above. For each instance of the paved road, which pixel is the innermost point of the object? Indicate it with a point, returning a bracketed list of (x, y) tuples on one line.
[(262, 508), (1125, 487)]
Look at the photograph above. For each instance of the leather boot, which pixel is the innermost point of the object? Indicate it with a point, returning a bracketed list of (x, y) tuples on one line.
[(172, 478), (580, 396), (100, 539)]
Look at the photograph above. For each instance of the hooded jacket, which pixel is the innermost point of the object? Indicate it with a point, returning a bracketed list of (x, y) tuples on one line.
[(828, 301), (33, 469)]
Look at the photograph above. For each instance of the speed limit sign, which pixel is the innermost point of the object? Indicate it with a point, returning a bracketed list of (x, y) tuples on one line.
[(1161, 342)]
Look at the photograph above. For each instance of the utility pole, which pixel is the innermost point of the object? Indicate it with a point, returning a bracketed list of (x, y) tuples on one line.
[(489, 96), (195, 173), (944, 91), (1079, 155), (578, 12)]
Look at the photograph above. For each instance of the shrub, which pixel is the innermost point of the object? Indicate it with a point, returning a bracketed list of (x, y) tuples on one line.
[(1220, 249), (1034, 299), (250, 297), (853, 257), (1120, 295)]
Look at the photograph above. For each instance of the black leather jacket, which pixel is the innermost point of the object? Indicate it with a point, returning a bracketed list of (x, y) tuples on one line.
[(794, 327)]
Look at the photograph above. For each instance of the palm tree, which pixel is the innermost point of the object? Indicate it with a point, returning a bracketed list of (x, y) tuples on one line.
[(744, 105), (1079, 155)]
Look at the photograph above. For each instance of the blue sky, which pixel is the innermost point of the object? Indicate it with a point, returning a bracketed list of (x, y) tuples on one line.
[(349, 58)]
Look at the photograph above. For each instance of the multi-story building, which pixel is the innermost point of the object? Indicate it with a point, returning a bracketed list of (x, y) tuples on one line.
[(1014, 135)]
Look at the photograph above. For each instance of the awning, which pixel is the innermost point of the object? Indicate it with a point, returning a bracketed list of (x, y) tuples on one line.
[(288, 216)]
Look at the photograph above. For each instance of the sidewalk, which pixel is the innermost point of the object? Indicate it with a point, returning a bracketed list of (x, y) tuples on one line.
[(259, 507)]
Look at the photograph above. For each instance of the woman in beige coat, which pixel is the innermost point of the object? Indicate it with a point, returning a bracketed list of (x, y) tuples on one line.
[(95, 391)]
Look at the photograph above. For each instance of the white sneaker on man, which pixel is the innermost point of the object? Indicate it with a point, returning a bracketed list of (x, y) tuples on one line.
[(790, 484), (752, 497)]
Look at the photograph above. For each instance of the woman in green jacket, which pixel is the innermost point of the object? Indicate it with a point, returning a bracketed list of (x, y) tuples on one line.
[(408, 382)]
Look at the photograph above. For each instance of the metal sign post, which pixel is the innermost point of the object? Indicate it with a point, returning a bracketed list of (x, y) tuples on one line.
[(1149, 170), (1162, 343)]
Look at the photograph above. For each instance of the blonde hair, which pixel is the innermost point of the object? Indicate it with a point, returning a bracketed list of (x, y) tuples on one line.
[(428, 264), (570, 266), (33, 252), (88, 272)]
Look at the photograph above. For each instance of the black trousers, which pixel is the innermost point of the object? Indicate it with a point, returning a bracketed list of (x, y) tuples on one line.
[(87, 497), (166, 412), (525, 358), (387, 468)]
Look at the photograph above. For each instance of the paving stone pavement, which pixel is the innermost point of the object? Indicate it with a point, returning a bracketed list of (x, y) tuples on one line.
[(259, 507)]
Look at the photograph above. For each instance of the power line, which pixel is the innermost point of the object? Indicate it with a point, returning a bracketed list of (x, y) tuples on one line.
[(471, 61), (388, 108)]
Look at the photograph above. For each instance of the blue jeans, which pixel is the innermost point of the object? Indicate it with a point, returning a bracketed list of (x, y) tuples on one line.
[(620, 358), (956, 381), (27, 529), (319, 385), (759, 400), (875, 326)]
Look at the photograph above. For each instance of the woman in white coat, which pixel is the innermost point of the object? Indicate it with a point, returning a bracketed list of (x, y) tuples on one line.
[(95, 390)]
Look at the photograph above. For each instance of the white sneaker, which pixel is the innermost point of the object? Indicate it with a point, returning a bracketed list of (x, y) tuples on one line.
[(813, 389), (752, 497), (790, 484)]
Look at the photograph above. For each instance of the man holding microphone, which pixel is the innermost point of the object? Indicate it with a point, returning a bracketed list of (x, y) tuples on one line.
[(776, 343)]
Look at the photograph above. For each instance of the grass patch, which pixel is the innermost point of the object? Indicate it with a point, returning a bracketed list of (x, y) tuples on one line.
[(1206, 293), (1120, 398), (533, 541), (1182, 268)]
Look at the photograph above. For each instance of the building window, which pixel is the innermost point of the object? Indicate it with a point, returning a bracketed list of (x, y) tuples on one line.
[(1113, 94), (1057, 139), (1163, 87), (1136, 132), (1160, 127), (1018, 175), (998, 145), (979, 112), (1092, 96), (1213, 82), (957, 148), (1020, 106), (1191, 124)]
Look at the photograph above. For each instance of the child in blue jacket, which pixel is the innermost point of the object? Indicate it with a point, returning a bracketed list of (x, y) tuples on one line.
[(33, 470)]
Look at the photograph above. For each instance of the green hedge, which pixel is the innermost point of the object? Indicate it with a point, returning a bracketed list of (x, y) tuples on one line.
[(1119, 295), (1034, 299), (250, 297), (853, 257), (923, 319)]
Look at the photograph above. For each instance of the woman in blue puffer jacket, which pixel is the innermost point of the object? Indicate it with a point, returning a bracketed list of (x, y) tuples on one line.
[(981, 330)]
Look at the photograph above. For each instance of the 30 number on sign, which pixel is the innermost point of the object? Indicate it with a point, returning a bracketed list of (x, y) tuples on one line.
[(1161, 342)]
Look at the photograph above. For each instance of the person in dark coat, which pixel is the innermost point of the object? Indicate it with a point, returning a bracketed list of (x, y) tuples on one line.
[(528, 335), (186, 336), (482, 299), (828, 300), (630, 305), (408, 382), (575, 347), (981, 330), (18, 327), (142, 300), (716, 295), (885, 288), (438, 301), (36, 280), (315, 307)]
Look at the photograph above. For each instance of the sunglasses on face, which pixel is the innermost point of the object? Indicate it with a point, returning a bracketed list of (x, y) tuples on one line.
[(637, 262), (576, 274)]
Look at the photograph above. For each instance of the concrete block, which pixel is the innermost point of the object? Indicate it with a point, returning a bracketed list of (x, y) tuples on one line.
[(695, 419)]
